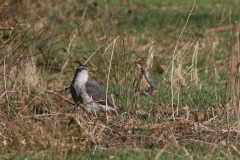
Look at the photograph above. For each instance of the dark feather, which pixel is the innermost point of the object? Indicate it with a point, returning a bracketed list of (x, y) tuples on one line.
[(76, 97), (94, 91)]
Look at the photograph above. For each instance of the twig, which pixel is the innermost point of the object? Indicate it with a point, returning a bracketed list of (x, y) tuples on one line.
[(93, 54), (174, 57), (3, 94), (34, 96), (5, 84), (144, 72), (160, 152), (60, 96), (210, 120), (235, 149), (104, 126), (44, 78), (110, 22), (90, 62), (72, 37), (114, 104), (193, 102), (83, 16), (127, 75), (143, 24), (199, 141), (144, 59), (202, 32), (110, 64), (6, 28), (40, 17), (229, 83)]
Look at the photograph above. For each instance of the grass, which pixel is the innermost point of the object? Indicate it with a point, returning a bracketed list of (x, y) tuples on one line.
[(194, 151), (50, 39)]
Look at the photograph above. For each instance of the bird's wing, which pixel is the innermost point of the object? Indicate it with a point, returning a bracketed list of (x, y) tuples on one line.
[(75, 96), (94, 91)]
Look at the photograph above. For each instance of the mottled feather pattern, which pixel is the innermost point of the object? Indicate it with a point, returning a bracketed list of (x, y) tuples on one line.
[(87, 91)]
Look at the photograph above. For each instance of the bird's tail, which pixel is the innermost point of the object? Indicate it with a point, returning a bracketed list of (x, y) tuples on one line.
[(110, 109)]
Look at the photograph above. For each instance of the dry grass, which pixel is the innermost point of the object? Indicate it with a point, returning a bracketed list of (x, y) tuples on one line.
[(37, 112)]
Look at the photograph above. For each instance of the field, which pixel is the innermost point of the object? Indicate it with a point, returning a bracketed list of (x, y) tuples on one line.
[(170, 67)]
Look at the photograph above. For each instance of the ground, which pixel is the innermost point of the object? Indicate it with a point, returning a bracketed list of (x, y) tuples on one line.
[(188, 50)]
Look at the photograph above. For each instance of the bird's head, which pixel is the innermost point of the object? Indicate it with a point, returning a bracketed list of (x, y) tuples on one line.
[(83, 69)]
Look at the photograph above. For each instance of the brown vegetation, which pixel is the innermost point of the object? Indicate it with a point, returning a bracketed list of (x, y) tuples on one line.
[(36, 109)]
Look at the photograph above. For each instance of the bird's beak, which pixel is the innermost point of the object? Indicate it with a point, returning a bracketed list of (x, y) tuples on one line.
[(89, 70)]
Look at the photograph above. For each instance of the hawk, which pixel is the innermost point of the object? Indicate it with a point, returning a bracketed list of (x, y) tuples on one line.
[(87, 91)]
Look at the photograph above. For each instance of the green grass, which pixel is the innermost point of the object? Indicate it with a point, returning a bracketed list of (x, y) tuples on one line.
[(196, 151), (146, 121)]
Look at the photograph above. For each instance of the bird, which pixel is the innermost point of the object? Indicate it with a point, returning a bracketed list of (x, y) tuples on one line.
[(86, 90)]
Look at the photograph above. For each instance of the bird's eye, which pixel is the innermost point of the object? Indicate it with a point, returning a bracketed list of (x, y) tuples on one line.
[(84, 68)]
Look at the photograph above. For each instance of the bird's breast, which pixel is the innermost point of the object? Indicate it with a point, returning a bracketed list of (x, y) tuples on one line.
[(80, 87)]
